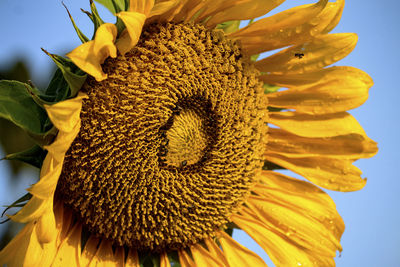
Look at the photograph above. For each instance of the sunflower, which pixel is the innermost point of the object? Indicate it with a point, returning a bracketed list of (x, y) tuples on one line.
[(164, 133)]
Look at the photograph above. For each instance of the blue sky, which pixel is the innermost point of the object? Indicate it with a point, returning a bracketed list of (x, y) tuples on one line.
[(372, 217)]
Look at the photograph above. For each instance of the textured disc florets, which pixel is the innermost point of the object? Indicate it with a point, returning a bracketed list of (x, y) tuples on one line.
[(170, 142)]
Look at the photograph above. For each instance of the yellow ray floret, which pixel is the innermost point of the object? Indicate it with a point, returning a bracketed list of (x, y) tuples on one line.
[(90, 55), (65, 117)]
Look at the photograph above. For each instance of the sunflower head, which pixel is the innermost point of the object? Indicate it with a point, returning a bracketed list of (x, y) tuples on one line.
[(165, 132)]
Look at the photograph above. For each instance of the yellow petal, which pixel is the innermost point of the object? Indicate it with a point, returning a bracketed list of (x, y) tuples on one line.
[(90, 55), (215, 250), (237, 10), (296, 25), (134, 22), (168, 10), (132, 259), (281, 251), (120, 257), (299, 227), (202, 257), (89, 251), (184, 259), (104, 256), (333, 174), (162, 7), (351, 146), (322, 51), (23, 250), (47, 184), (46, 227), (236, 254), (332, 14), (326, 125), (65, 115), (332, 95), (289, 80), (69, 252), (35, 208), (141, 6), (164, 261), (301, 196)]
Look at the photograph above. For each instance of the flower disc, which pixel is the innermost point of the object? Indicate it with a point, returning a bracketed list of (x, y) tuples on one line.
[(170, 143)]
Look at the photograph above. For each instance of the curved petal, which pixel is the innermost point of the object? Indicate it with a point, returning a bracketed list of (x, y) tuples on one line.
[(322, 51), (215, 250), (90, 55), (23, 250), (68, 253), (281, 251), (301, 196), (164, 261), (134, 22), (334, 94), (289, 80), (46, 231), (236, 254), (43, 191), (184, 259), (242, 10), (133, 259), (120, 256), (104, 255), (141, 6), (202, 257), (351, 146), (89, 251), (333, 174), (296, 25), (162, 7), (299, 227), (326, 125)]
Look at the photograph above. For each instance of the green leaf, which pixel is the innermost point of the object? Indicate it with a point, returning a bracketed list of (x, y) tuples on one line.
[(33, 156), (229, 26), (74, 76), (81, 36), (114, 6), (17, 106)]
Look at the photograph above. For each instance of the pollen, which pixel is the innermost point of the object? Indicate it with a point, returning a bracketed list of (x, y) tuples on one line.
[(170, 144)]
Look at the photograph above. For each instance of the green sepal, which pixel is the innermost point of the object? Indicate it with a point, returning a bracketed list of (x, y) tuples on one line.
[(269, 88), (94, 17), (18, 106), (74, 76), (229, 26), (114, 6), (33, 156), (58, 88), (45, 138), (18, 203), (80, 34), (149, 260)]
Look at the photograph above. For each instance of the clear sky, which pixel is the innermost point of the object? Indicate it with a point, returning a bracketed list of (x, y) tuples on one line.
[(372, 217)]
